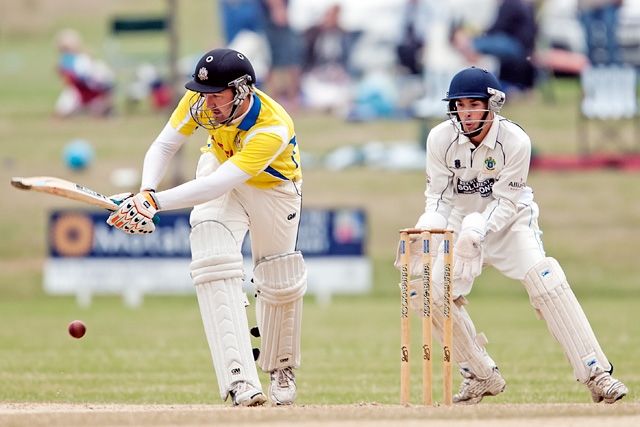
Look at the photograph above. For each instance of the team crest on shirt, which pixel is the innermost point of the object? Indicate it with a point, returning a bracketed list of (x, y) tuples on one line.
[(236, 142), (490, 163), (203, 74)]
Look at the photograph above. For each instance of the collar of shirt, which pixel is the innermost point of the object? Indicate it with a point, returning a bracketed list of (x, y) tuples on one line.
[(249, 119)]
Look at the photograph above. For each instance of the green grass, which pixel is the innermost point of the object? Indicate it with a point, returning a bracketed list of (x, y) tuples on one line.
[(158, 353)]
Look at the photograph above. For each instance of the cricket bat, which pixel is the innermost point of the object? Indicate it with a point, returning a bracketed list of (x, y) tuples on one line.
[(63, 188), (70, 190)]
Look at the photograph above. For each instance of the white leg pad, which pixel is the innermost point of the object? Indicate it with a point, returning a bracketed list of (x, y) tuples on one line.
[(468, 346), (556, 303), (280, 283), (216, 270)]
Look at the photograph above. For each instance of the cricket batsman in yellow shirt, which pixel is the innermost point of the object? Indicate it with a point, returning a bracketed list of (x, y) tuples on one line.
[(248, 179)]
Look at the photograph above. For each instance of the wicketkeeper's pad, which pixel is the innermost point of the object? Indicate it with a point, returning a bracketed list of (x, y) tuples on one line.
[(556, 303)]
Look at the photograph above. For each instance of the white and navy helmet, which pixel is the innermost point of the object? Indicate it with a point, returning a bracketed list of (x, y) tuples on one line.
[(475, 83)]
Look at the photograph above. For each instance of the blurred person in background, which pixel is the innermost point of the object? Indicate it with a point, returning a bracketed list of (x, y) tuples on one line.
[(285, 72), (327, 43), (238, 16), (248, 180), (599, 19), (326, 81), (416, 17), (88, 82), (511, 39)]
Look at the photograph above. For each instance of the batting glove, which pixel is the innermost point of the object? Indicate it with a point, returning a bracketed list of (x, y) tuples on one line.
[(135, 214), (120, 197)]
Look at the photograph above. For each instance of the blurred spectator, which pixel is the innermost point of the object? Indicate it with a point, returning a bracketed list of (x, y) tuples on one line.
[(326, 82), (599, 19), (242, 24), (88, 82), (409, 49), (511, 39), (238, 16), (327, 43), (283, 78)]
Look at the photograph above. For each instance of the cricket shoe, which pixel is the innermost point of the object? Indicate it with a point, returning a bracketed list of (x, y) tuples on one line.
[(604, 387), (473, 389), (283, 390), (244, 394)]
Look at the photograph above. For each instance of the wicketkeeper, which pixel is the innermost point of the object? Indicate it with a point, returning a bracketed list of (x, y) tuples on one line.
[(477, 168), (248, 179)]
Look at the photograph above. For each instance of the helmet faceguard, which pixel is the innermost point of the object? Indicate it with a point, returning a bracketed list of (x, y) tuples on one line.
[(474, 83), (216, 71)]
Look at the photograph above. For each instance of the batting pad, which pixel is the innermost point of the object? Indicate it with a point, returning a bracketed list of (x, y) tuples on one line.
[(280, 283), (556, 303), (216, 270), (468, 346)]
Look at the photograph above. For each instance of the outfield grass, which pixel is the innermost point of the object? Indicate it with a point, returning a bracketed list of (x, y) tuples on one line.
[(158, 353)]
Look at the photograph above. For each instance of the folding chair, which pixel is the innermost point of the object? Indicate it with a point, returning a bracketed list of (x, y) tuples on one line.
[(138, 49), (610, 104)]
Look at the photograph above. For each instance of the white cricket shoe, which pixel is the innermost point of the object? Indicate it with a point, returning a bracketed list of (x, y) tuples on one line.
[(473, 389), (605, 387), (244, 394), (283, 390)]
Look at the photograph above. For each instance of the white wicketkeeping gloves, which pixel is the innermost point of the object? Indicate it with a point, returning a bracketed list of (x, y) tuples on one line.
[(467, 253)]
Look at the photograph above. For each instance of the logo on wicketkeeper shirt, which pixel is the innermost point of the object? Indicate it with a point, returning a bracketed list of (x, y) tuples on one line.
[(490, 163), (514, 185), (474, 186)]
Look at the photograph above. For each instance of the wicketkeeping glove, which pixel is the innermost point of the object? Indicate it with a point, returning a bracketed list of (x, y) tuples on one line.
[(467, 254), (135, 214)]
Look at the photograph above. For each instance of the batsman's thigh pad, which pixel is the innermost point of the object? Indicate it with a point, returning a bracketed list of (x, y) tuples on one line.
[(280, 283), (555, 302), (216, 270), (468, 346)]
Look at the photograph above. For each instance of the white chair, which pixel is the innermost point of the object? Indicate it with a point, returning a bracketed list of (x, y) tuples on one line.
[(609, 103)]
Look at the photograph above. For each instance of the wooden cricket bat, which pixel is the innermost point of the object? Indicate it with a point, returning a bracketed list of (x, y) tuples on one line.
[(70, 190), (63, 188)]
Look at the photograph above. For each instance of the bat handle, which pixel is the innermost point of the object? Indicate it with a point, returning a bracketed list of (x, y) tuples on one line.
[(156, 218)]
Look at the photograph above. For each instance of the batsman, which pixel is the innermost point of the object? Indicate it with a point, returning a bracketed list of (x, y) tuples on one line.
[(248, 180), (476, 184)]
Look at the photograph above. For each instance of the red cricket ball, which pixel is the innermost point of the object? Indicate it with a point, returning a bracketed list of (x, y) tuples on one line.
[(77, 329)]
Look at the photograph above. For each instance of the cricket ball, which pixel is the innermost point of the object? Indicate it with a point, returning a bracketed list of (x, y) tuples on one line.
[(77, 329)]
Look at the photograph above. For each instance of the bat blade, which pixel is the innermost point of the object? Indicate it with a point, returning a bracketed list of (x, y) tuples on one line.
[(63, 188)]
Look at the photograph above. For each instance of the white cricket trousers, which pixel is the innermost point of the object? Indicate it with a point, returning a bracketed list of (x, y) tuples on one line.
[(513, 250), (271, 216)]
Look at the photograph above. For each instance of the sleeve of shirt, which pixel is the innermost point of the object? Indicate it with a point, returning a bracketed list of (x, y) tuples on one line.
[(181, 119), (201, 190), (179, 127), (508, 186), (440, 188), (159, 155)]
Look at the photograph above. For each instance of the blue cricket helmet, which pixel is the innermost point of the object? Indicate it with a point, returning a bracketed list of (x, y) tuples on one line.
[(472, 83)]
